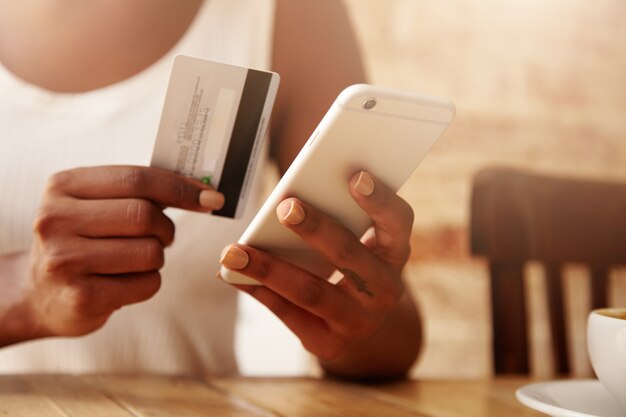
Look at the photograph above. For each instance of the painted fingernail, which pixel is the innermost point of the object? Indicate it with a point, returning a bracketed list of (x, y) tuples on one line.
[(234, 257), (212, 200), (290, 212), (364, 184)]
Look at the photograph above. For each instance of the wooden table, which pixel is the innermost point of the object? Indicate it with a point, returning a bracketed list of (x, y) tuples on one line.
[(117, 396)]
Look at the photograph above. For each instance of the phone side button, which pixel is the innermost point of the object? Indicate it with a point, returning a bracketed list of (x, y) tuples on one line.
[(312, 138)]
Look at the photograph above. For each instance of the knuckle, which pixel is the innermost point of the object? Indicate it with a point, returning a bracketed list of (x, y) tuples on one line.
[(134, 180), (58, 181), (310, 295), (45, 223), (141, 215), (311, 224), (262, 267), (151, 286), (170, 231), (58, 261), (80, 298), (384, 198), (180, 191), (348, 249), (152, 254)]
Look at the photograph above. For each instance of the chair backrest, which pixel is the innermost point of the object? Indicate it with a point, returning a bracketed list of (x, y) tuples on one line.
[(517, 216)]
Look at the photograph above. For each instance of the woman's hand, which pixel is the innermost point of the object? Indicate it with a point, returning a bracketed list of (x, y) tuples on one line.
[(331, 320), (99, 238)]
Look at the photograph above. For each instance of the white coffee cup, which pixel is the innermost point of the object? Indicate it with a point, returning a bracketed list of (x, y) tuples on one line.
[(606, 338)]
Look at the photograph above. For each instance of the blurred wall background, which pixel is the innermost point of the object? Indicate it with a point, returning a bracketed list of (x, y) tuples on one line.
[(537, 84)]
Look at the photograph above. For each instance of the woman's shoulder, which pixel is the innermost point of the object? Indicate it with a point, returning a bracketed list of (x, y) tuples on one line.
[(316, 53)]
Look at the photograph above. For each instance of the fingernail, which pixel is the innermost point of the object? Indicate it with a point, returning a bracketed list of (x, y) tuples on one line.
[(364, 184), (290, 212), (234, 257), (211, 199)]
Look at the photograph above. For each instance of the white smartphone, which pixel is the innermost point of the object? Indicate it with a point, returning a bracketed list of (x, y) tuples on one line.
[(384, 132)]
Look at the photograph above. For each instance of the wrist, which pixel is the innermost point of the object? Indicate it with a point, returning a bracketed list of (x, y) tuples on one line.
[(18, 318)]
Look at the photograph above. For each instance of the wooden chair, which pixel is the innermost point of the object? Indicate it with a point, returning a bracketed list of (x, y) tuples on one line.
[(517, 216)]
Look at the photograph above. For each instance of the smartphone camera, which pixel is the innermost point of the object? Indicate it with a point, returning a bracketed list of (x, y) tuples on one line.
[(369, 103)]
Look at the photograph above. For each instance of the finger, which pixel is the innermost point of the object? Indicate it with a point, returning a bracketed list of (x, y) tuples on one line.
[(100, 295), (313, 332), (392, 216), (296, 285), (337, 244), (107, 256), (157, 185), (113, 218)]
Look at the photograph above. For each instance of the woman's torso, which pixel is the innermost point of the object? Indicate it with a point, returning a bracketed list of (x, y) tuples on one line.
[(188, 326)]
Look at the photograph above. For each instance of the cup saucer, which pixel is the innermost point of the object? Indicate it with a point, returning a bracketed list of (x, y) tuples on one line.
[(570, 398)]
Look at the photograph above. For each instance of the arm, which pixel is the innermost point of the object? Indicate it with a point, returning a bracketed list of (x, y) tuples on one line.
[(16, 323), (353, 335), (317, 55)]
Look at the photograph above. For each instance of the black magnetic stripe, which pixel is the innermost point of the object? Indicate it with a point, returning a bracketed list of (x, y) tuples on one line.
[(242, 140)]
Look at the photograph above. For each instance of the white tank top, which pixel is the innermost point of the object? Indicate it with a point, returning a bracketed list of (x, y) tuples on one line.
[(188, 326)]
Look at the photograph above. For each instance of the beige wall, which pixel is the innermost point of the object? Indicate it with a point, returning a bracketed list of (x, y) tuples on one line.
[(539, 84)]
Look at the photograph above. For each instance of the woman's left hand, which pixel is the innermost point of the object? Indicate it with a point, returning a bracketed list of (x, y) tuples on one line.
[(329, 318)]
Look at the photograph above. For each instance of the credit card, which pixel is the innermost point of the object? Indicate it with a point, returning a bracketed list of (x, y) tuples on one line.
[(213, 124)]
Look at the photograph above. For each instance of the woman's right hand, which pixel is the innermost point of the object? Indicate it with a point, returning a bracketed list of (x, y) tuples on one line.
[(99, 239)]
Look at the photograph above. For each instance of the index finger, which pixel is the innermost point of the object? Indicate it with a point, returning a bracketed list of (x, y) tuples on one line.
[(160, 186)]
